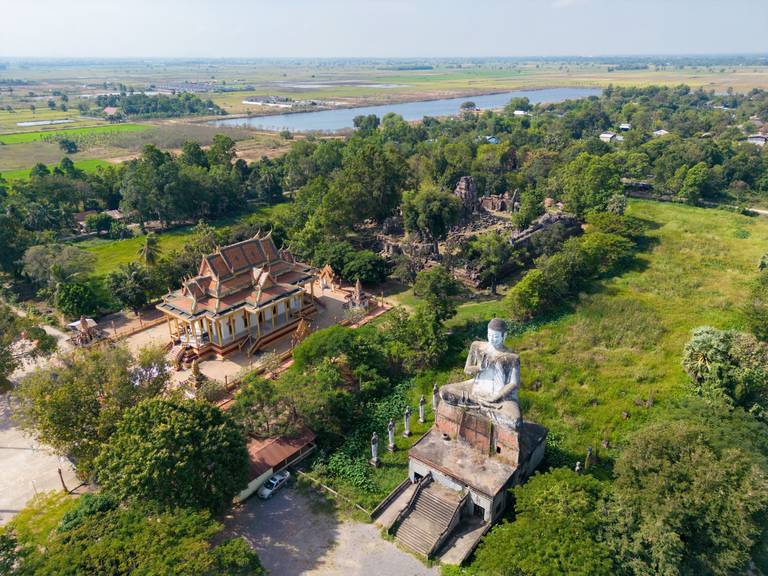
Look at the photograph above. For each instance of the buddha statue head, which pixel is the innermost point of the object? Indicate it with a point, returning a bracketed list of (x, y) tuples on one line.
[(497, 332)]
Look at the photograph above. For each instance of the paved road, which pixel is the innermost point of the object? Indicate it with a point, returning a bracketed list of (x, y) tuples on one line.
[(292, 539), (25, 467)]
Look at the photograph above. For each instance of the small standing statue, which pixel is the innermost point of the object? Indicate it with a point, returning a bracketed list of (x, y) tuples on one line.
[(375, 450), (391, 434), (577, 469), (407, 417), (435, 397), (422, 402)]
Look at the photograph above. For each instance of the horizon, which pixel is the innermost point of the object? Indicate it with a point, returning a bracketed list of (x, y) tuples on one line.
[(231, 29)]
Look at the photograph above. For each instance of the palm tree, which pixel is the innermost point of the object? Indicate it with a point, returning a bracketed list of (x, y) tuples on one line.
[(150, 250)]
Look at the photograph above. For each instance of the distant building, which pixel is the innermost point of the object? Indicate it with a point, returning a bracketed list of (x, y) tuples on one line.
[(757, 139), (110, 111), (607, 137), (491, 140), (521, 113), (661, 132), (81, 217), (625, 126)]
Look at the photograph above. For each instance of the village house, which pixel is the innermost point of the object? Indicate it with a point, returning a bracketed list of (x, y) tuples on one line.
[(659, 133), (625, 126), (607, 137), (757, 139), (244, 296), (268, 456)]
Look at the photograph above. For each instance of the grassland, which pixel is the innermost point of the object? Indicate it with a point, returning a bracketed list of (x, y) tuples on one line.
[(110, 254), (588, 373), (86, 165), (73, 133)]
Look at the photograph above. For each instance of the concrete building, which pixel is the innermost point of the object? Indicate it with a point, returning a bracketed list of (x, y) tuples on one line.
[(270, 455)]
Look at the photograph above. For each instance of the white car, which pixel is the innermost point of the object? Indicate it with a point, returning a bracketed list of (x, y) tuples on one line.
[(272, 485)]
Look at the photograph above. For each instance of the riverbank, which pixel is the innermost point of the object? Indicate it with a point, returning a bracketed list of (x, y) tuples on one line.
[(336, 119)]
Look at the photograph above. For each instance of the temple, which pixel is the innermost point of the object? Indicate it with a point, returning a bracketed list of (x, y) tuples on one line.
[(244, 296), (460, 472)]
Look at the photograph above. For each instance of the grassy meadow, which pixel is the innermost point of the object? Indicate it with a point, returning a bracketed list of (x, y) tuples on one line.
[(88, 165), (619, 345), (72, 133)]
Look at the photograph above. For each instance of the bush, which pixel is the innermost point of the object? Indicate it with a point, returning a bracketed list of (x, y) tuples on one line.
[(366, 266), (76, 299)]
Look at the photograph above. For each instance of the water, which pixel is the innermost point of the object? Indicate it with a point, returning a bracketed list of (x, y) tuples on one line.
[(340, 119)]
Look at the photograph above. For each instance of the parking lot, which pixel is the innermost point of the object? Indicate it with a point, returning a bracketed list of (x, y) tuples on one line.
[(294, 537)]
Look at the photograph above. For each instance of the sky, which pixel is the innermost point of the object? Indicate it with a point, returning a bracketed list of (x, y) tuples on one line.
[(379, 28)]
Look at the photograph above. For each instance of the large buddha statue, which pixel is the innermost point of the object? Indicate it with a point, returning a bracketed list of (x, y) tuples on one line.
[(493, 388)]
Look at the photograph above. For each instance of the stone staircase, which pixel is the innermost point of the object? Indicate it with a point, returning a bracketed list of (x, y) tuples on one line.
[(429, 518)]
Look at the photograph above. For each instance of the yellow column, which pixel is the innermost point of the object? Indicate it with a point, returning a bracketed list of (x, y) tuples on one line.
[(218, 331), (170, 330)]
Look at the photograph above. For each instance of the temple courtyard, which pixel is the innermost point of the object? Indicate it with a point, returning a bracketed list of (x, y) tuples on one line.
[(330, 311)]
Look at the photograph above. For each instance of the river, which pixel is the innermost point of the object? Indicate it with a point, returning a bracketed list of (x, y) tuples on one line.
[(340, 119)]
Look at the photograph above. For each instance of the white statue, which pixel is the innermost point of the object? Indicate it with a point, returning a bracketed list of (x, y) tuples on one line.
[(495, 381)]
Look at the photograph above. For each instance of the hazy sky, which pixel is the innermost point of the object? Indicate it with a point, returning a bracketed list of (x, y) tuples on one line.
[(318, 28)]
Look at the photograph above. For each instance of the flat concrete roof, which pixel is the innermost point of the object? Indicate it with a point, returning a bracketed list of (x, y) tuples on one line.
[(458, 460)]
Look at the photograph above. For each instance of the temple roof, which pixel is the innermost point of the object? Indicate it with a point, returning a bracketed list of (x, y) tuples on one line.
[(249, 273)]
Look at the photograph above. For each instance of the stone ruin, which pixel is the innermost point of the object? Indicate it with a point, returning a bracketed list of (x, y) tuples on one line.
[(523, 238), (466, 191), (501, 202)]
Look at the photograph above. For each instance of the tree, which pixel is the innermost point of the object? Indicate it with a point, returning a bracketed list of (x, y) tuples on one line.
[(366, 125), (588, 183), (68, 145), (696, 183), (755, 310), (689, 498), (222, 151), (98, 222), (98, 535), (13, 328), (728, 366), (49, 265), (193, 154), (430, 212), (366, 266), (439, 289), (75, 299), (175, 453), (74, 407), (149, 251), (491, 253), (558, 529), (130, 285)]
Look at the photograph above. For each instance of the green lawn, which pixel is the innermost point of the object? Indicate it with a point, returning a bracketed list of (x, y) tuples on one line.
[(109, 129), (90, 165), (112, 253)]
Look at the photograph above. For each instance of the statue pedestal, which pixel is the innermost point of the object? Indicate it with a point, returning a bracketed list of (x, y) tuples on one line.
[(375, 462), (391, 448)]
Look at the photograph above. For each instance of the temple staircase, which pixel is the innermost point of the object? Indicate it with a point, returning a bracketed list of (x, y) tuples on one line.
[(432, 513)]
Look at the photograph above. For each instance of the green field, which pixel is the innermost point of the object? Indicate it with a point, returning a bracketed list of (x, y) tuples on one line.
[(110, 254), (73, 133), (621, 342), (86, 165)]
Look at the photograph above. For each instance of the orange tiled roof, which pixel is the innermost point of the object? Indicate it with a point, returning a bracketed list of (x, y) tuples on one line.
[(251, 272)]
